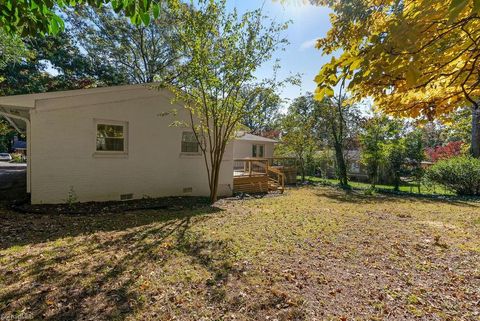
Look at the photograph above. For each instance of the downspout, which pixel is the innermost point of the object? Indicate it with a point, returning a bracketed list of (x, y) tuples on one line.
[(29, 158)]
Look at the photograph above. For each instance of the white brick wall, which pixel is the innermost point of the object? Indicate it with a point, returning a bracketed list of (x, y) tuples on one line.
[(63, 149)]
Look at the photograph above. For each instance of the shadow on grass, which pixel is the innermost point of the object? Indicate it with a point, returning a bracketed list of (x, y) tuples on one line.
[(386, 196), (17, 229), (103, 276)]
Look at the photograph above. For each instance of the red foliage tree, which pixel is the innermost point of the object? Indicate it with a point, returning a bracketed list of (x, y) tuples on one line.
[(443, 152)]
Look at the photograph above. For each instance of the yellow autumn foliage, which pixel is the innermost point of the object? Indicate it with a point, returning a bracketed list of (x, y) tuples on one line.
[(414, 58)]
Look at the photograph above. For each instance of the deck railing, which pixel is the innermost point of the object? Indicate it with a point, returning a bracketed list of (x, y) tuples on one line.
[(261, 174), (282, 161), (250, 167)]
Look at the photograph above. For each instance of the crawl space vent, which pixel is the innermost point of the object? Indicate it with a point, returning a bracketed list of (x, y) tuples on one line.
[(187, 189)]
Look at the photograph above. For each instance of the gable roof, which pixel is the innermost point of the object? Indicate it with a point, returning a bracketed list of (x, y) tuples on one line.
[(255, 138), (27, 101)]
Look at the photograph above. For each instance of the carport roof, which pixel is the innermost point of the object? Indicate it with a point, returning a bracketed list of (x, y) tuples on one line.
[(27, 101), (16, 108)]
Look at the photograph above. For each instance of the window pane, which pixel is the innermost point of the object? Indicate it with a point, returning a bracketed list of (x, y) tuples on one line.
[(188, 137), (104, 130), (189, 143), (254, 150), (110, 138), (110, 144), (260, 154)]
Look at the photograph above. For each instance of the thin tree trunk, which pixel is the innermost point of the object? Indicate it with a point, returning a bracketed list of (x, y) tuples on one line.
[(216, 166), (396, 183), (302, 167), (476, 131), (341, 166)]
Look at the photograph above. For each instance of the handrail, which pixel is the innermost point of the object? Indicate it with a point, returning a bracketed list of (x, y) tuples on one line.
[(260, 167), (280, 177)]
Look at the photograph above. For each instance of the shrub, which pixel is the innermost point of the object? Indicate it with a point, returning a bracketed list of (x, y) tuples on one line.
[(460, 174), (17, 158)]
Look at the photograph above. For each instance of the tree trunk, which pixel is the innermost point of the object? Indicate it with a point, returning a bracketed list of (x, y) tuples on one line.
[(396, 183), (476, 132), (215, 178), (302, 168), (341, 166)]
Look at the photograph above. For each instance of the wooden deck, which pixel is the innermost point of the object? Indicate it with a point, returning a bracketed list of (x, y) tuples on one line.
[(261, 175)]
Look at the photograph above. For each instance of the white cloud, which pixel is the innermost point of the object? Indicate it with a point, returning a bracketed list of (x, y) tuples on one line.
[(308, 44)]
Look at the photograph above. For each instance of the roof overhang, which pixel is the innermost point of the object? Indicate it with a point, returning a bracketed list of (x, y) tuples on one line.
[(17, 116)]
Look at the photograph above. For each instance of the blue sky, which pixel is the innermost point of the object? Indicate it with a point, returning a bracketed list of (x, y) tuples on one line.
[(308, 24)]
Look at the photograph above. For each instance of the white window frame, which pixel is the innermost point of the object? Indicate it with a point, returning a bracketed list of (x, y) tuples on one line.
[(199, 152), (257, 149), (111, 153)]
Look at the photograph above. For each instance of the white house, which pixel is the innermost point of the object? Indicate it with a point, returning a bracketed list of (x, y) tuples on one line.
[(109, 143), (248, 145), (117, 143)]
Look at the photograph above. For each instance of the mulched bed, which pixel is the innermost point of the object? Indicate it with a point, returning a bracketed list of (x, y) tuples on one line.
[(94, 208), (89, 208)]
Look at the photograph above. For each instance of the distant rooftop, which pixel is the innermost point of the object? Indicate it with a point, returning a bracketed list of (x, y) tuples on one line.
[(255, 138)]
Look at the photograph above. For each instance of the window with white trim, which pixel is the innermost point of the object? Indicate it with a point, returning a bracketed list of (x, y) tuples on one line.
[(258, 150), (189, 143), (111, 137)]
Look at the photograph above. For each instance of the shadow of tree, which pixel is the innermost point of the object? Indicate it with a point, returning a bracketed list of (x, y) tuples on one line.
[(354, 196), (100, 276), (19, 229)]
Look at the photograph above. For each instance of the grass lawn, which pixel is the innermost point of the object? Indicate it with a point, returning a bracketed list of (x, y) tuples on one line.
[(406, 188), (314, 253)]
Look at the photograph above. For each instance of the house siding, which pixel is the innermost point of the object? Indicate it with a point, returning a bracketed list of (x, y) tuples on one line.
[(63, 150), (243, 148)]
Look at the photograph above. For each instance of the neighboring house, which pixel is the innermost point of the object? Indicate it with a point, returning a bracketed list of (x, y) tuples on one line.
[(112, 143), (248, 145), (355, 169)]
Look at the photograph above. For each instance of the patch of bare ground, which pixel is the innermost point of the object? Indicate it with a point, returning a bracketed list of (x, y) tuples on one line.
[(314, 253)]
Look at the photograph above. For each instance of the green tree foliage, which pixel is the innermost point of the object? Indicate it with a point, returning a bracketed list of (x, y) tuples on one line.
[(220, 53), (11, 48), (40, 17), (394, 153), (392, 146), (262, 109), (337, 125), (52, 63), (377, 130), (298, 131), (140, 54), (460, 174), (424, 54), (415, 155), (6, 134)]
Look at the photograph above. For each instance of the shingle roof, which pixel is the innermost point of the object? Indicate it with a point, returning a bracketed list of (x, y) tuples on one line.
[(255, 138)]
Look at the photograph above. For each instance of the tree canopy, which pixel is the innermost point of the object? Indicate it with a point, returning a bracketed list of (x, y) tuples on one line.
[(415, 58), (51, 63), (33, 17), (298, 129), (220, 52), (140, 53)]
